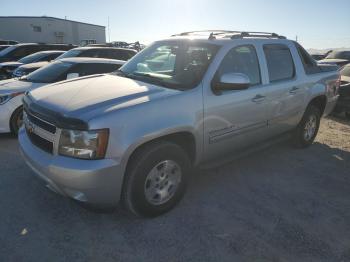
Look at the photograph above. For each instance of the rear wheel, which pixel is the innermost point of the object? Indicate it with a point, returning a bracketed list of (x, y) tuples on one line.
[(156, 179), (307, 129), (16, 120)]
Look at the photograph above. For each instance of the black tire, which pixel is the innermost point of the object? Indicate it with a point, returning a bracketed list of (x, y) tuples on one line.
[(146, 159), (16, 120), (300, 141)]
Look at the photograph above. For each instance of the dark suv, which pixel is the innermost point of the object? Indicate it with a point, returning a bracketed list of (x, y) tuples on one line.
[(16, 52), (123, 54), (343, 104)]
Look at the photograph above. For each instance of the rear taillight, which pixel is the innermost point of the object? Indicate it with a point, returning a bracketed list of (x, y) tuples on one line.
[(337, 85)]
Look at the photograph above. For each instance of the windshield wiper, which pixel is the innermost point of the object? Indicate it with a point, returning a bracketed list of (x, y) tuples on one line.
[(119, 73), (139, 76)]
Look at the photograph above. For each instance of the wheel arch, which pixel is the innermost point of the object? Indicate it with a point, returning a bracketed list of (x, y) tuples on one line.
[(320, 102)]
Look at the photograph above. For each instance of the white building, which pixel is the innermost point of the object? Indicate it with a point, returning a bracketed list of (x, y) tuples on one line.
[(44, 29)]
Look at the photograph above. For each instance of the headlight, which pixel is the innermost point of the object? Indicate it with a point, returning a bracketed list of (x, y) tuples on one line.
[(18, 73), (5, 98), (84, 144)]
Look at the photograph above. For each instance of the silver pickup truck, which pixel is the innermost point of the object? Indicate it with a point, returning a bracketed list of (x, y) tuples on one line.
[(133, 136)]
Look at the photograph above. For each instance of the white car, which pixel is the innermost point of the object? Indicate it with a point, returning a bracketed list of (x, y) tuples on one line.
[(12, 90)]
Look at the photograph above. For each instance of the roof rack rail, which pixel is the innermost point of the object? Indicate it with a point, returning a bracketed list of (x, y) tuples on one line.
[(231, 34), (257, 34), (214, 32)]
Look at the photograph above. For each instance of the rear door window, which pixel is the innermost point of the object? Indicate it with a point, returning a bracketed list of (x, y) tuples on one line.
[(49, 57), (120, 54), (279, 62), (90, 53)]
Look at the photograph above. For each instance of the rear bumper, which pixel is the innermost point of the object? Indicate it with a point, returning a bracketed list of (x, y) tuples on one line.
[(343, 104), (97, 182), (331, 103)]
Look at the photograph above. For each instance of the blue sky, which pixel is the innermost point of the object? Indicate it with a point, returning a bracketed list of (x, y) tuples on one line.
[(318, 23)]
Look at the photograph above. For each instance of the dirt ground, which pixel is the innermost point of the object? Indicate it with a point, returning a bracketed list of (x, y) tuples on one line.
[(279, 204)]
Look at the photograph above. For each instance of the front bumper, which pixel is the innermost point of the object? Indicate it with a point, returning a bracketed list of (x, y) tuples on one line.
[(5, 116), (97, 182), (6, 111), (331, 103)]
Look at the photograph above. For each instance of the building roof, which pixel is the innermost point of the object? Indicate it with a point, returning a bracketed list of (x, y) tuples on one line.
[(51, 17)]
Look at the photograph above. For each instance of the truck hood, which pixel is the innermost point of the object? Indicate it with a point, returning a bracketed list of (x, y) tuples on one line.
[(345, 79), (33, 65), (333, 61), (11, 64), (16, 85), (87, 97)]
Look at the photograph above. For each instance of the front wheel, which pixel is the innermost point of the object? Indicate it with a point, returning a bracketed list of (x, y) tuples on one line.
[(156, 179), (307, 129), (16, 120)]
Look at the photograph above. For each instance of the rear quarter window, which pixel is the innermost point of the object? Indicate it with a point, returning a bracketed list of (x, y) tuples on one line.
[(309, 64)]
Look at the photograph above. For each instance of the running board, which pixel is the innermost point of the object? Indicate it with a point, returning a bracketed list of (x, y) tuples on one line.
[(245, 152)]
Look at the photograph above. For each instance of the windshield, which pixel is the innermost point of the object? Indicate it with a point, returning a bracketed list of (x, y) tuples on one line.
[(7, 50), (30, 58), (49, 74), (172, 64), (345, 71), (70, 53)]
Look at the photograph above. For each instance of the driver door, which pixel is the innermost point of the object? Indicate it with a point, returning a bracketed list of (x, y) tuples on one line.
[(235, 118)]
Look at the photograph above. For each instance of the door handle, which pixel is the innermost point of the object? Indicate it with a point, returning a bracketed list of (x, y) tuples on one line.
[(294, 90), (258, 98)]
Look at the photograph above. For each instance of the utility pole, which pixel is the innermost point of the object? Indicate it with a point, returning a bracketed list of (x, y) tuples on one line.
[(109, 32), (296, 38)]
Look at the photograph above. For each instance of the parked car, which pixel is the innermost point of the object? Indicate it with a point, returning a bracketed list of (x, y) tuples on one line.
[(338, 57), (8, 42), (134, 135), (16, 52), (100, 52), (7, 68), (12, 90), (28, 68), (2, 47), (343, 104), (121, 44), (93, 52)]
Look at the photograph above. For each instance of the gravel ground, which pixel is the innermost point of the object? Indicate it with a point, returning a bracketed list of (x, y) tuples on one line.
[(280, 204)]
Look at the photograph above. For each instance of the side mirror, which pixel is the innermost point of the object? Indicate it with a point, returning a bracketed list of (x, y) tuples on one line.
[(231, 81), (72, 75)]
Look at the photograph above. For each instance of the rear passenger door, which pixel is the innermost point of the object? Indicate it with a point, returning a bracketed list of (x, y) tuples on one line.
[(284, 94)]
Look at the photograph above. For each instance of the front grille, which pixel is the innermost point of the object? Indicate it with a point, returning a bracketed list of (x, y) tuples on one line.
[(42, 124), (40, 142)]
